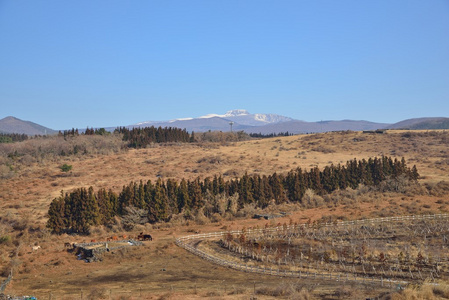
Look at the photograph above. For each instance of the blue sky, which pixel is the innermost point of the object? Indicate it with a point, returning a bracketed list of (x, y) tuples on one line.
[(82, 63)]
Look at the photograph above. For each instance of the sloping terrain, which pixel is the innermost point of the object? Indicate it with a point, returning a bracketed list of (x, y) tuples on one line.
[(15, 125), (160, 268), (422, 123)]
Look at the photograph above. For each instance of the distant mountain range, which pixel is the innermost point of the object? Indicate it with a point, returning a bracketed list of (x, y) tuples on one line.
[(238, 116), (242, 120), (272, 123)]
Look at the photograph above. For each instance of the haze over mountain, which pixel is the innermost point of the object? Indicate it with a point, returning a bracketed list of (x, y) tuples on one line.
[(242, 120)]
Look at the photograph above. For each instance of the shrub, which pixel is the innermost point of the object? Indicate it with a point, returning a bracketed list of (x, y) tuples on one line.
[(66, 168), (5, 240)]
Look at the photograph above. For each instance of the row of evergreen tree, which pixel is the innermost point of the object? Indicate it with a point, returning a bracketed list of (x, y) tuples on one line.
[(270, 135), (141, 137), (89, 131), (12, 137), (97, 131), (71, 132), (82, 208)]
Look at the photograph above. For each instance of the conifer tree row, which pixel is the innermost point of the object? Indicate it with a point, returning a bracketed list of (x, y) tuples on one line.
[(12, 137), (141, 137), (76, 211)]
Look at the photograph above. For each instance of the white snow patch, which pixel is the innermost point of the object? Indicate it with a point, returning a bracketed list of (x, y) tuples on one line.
[(181, 119)]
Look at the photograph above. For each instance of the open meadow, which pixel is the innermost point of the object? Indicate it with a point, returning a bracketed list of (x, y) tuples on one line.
[(159, 269)]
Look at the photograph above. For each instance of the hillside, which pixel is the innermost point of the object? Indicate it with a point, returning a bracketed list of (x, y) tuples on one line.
[(422, 123), (15, 125), (263, 123), (27, 192), (297, 127)]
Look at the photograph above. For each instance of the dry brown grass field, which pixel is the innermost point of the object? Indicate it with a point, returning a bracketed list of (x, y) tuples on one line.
[(160, 269)]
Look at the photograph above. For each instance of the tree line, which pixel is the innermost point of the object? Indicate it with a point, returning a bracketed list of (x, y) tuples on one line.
[(89, 131), (12, 137), (141, 137), (270, 135), (75, 212)]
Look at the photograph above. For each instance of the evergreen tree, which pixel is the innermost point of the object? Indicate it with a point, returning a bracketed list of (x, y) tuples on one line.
[(56, 215), (183, 196), (158, 207)]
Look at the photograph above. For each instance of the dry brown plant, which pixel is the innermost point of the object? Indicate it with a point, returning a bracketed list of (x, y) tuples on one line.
[(30, 178)]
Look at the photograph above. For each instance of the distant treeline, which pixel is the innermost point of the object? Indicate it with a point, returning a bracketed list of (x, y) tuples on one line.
[(12, 137), (77, 211), (260, 135), (141, 137), (88, 131)]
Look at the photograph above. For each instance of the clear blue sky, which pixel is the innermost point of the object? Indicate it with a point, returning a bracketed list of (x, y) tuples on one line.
[(81, 63)]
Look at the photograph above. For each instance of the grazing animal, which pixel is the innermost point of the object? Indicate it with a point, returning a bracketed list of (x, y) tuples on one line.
[(124, 236), (115, 238), (147, 237), (144, 237), (35, 248), (93, 241)]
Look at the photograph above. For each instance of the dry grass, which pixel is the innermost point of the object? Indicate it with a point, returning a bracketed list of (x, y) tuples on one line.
[(426, 291), (27, 186)]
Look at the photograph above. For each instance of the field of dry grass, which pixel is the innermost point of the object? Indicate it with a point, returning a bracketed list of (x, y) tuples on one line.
[(162, 270)]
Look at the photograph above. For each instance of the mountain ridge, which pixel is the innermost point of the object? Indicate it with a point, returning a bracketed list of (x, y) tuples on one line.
[(422, 123), (12, 124), (242, 120)]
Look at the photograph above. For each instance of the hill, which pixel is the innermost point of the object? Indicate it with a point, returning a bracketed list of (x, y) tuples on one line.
[(160, 267), (242, 120), (422, 123), (261, 123), (15, 125), (196, 124), (296, 127)]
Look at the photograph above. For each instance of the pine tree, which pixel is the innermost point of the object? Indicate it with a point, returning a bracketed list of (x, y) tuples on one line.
[(56, 215), (158, 208), (183, 198), (195, 194)]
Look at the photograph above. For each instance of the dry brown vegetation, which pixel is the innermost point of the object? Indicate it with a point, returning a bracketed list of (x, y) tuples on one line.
[(162, 270)]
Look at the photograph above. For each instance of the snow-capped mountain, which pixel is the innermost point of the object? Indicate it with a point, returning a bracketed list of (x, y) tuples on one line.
[(243, 117), (239, 116), (259, 123)]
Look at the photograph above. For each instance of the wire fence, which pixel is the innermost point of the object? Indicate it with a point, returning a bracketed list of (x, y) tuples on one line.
[(186, 243), (6, 282)]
